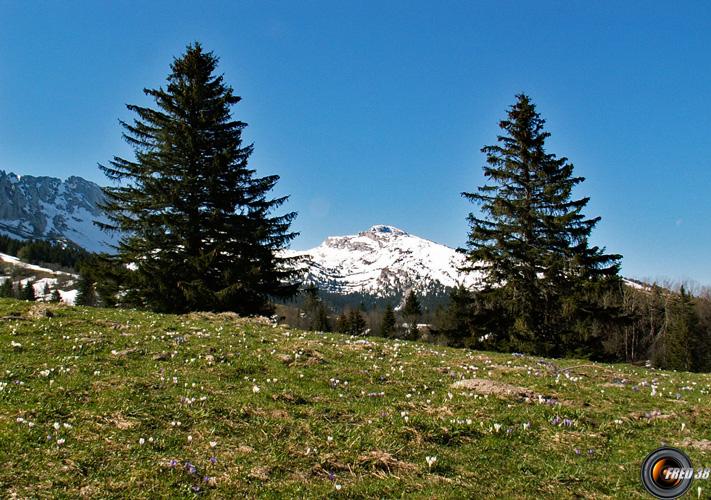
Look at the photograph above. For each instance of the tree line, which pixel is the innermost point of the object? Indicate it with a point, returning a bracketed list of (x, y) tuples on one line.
[(45, 253)]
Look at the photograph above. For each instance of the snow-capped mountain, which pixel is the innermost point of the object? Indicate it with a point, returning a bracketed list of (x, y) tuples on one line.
[(383, 261), (52, 209)]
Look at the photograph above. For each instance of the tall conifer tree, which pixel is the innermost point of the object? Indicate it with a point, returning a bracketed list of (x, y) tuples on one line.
[(197, 224), (388, 325), (543, 281)]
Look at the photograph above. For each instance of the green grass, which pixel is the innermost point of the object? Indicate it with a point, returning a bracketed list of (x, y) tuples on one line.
[(333, 415)]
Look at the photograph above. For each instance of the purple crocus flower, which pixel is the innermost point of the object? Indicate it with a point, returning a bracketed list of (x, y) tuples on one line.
[(173, 462), (555, 420), (213, 460), (567, 422)]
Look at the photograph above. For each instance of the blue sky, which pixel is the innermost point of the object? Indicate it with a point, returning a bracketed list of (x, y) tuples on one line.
[(375, 112)]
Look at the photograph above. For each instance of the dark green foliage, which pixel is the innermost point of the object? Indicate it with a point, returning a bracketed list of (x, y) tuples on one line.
[(55, 296), (454, 321), (676, 348), (28, 292), (388, 324), (196, 222), (701, 341), (315, 311), (412, 311), (86, 295), (342, 323), (46, 290), (6, 289), (351, 322), (543, 283), (42, 252), (356, 323)]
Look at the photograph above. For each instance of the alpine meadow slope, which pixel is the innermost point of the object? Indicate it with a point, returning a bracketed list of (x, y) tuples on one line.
[(119, 403)]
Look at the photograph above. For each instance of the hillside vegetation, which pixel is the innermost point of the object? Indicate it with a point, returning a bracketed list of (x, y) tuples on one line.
[(116, 403)]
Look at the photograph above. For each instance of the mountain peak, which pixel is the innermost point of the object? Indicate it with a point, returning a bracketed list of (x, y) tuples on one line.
[(384, 261), (385, 230)]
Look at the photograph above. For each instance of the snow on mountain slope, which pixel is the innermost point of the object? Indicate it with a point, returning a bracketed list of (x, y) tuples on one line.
[(51, 209), (383, 261), (40, 278)]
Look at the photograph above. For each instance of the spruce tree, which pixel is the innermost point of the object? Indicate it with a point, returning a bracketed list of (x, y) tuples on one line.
[(6, 290), (412, 311), (342, 323), (542, 279), (55, 296), (356, 322), (197, 225), (387, 327), (28, 292), (86, 292), (683, 347), (315, 310)]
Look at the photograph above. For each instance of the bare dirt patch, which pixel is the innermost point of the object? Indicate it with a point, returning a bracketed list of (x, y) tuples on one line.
[(492, 387), (699, 444), (383, 461)]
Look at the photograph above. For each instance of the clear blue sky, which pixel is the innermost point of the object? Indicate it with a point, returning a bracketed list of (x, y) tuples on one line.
[(375, 112)]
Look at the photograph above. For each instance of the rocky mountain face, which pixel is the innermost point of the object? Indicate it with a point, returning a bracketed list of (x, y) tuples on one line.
[(52, 209), (383, 261)]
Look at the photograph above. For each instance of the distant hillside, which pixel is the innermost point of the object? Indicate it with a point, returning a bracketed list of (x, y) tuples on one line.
[(52, 209)]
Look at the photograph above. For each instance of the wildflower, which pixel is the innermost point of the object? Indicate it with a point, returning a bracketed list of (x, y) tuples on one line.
[(213, 460), (190, 439), (430, 461), (497, 427), (338, 487), (567, 422), (329, 439), (141, 441), (526, 426), (213, 444), (173, 462), (190, 468), (555, 420), (255, 389), (56, 426), (577, 451), (60, 441)]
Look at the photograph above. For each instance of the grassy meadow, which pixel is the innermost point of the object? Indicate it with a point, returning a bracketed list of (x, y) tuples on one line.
[(99, 403)]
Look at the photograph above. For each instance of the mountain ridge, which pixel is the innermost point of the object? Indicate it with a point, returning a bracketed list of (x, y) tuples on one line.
[(49, 208)]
